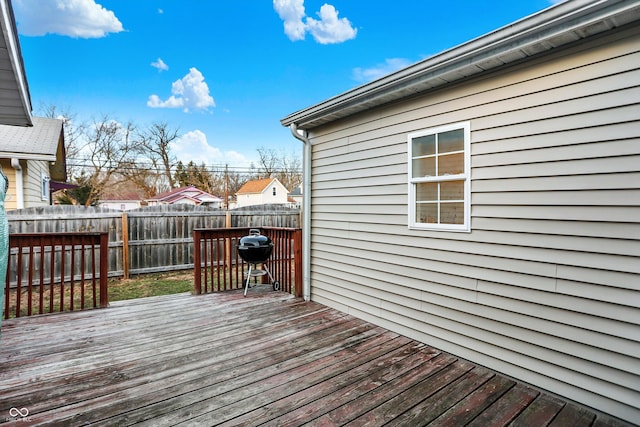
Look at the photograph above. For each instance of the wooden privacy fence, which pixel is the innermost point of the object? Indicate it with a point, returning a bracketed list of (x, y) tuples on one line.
[(150, 239), (51, 272), (219, 267)]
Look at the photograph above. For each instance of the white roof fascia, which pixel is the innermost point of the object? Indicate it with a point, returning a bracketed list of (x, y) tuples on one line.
[(27, 156), (548, 29)]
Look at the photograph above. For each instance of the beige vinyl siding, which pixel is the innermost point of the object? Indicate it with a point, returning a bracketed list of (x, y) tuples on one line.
[(546, 287), (10, 201), (32, 179)]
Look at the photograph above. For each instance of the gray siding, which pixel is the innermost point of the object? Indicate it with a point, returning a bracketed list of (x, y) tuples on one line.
[(546, 287)]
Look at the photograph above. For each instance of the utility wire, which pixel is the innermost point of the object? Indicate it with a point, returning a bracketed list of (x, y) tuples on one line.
[(208, 168)]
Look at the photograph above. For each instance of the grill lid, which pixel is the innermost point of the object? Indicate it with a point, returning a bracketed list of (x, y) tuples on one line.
[(254, 239), (255, 248)]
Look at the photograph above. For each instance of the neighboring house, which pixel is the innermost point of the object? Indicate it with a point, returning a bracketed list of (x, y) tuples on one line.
[(122, 200), (295, 196), (187, 195), (261, 192), (33, 158), (486, 201)]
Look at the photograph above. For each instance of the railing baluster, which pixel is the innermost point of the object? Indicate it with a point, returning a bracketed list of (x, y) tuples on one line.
[(62, 270), (206, 262), (30, 282), (93, 274), (197, 272), (52, 273), (72, 283), (216, 256), (41, 284), (18, 281), (226, 241), (83, 268), (238, 266)]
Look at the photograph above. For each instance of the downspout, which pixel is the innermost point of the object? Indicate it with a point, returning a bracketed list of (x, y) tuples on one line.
[(306, 210), (15, 164)]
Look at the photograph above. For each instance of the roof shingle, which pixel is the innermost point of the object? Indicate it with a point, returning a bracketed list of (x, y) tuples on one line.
[(255, 186), (40, 140)]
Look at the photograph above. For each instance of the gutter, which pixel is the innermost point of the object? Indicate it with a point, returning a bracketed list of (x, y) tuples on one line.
[(306, 210), (28, 156), (15, 164), (549, 29)]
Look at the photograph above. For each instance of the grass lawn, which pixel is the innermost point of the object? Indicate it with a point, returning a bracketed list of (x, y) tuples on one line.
[(140, 286), (148, 285)]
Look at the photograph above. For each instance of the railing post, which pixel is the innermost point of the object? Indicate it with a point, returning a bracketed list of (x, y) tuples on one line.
[(197, 272), (104, 269)]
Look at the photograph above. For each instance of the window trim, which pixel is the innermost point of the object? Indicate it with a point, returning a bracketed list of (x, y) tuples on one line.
[(466, 176), (44, 187)]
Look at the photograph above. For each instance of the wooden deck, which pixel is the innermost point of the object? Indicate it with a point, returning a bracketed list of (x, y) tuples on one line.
[(221, 359)]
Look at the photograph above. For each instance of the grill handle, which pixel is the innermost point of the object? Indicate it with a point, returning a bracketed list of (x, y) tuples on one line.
[(254, 232)]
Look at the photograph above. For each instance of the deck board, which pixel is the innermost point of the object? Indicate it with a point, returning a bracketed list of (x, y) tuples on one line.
[(268, 358)]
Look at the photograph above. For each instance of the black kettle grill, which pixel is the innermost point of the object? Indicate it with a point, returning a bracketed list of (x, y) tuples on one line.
[(256, 249)]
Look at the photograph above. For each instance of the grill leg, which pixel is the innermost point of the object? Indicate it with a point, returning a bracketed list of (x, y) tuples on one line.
[(264, 267), (246, 285), (274, 283)]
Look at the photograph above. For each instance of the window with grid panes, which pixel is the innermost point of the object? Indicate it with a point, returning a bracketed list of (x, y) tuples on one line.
[(439, 182)]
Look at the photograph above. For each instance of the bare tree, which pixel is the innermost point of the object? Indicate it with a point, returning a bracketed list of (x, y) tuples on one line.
[(144, 177), (290, 174), (233, 182), (268, 163), (153, 147), (108, 147), (73, 131), (287, 169)]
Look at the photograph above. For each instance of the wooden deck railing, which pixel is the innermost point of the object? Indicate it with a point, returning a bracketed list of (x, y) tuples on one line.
[(54, 272), (218, 266)]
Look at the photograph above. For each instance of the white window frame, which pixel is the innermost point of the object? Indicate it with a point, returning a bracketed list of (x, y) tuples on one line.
[(44, 187), (466, 176)]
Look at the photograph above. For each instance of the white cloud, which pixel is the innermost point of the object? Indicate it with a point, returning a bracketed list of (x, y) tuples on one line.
[(189, 93), (326, 30), (193, 146), (160, 65), (389, 66), (292, 13), (330, 29), (73, 18)]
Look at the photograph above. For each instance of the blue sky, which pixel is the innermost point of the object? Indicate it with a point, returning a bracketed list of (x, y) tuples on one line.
[(225, 72)]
